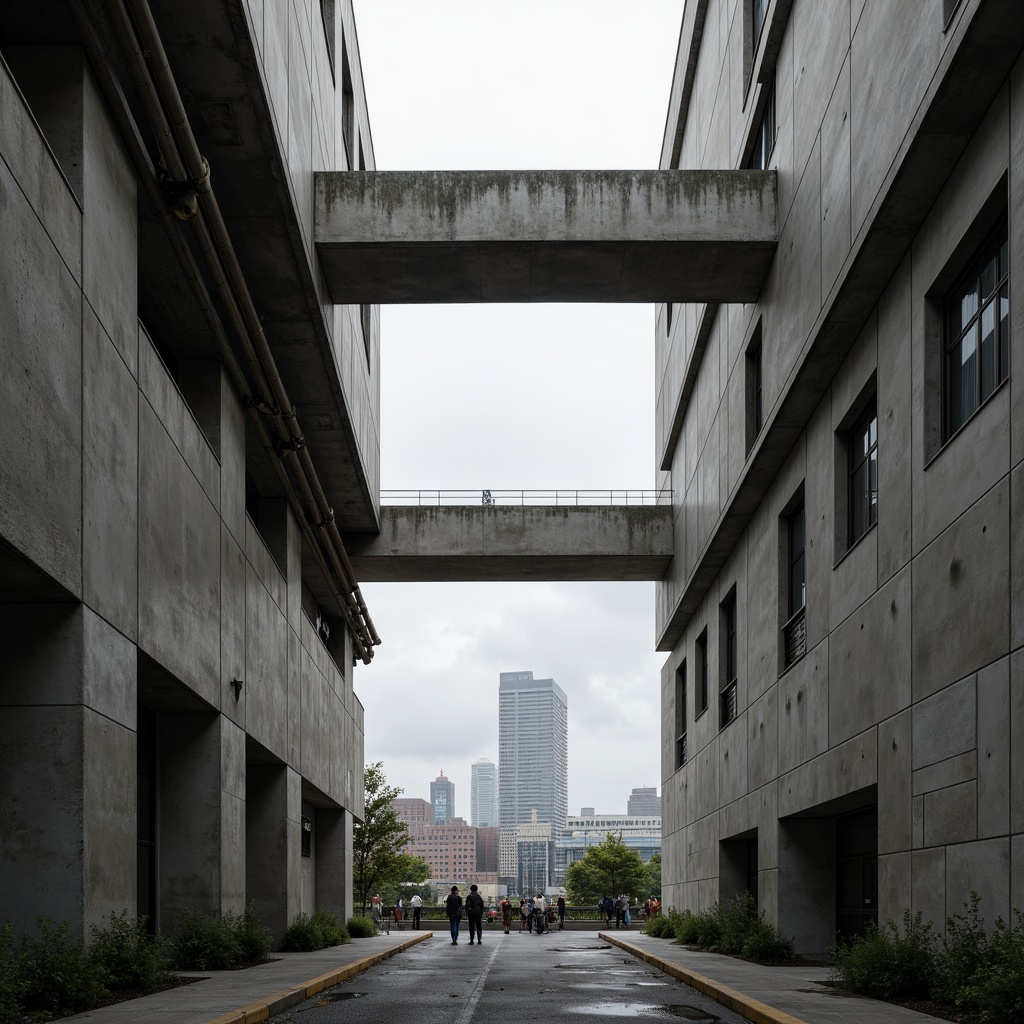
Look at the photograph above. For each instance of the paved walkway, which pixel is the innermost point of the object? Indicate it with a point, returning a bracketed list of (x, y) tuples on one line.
[(253, 995), (766, 995)]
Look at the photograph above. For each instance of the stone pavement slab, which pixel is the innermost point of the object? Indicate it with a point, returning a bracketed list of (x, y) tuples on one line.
[(794, 994), (253, 995)]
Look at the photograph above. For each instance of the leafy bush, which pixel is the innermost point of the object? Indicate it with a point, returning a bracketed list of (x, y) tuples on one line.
[(684, 926), (254, 938), (996, 990), (708, 928), (126, 954), (11, 983), (361, 927), (736, 919), (659, 926), (964, 953), (332, 932), (306, 933), (205, 942), (764, 944), (57, 974), (885, 964)]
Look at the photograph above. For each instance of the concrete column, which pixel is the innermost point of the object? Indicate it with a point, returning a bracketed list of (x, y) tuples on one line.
[(273, 843), (806, 881), (333, 867), (67, 746), (201, 835)]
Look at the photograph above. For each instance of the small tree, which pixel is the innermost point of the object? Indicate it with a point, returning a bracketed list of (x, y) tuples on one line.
[(608, 868), (652, 876), (378, 840), (408, 875)]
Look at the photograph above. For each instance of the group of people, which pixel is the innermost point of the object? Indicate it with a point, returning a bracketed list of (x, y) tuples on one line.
[(534, 913), (378, 911), (619, 907)]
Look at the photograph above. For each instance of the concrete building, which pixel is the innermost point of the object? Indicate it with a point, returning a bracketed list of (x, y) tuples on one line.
[(843, 704), (483, 793), (640, 832), (535, 857), (415, 812), (442, 800), (533, 760), (487, 849), (178, 725), (644, 801), (450, 850)]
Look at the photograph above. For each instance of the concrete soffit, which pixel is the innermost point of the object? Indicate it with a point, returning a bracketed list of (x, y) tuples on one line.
[(972, 69)]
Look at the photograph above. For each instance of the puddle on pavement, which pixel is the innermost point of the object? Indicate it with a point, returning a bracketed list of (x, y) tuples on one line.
[(337, 997), (694, 1013), (576, 949)]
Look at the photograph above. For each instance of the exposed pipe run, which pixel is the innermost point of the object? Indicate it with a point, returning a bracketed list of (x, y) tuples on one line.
[(268, 397)]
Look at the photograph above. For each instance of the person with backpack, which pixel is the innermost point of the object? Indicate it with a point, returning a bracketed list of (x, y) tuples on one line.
[(453, 908), (475, 913), (506, 914)]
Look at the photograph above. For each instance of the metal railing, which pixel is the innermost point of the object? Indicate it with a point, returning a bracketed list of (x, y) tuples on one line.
[(794, 637), (490, 496)]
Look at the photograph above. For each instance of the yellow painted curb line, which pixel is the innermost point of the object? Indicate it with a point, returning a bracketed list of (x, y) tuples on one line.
[(263, 1009), (752, 1009)]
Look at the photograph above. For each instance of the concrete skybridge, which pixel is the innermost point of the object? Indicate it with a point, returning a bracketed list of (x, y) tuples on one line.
[(537, 236)]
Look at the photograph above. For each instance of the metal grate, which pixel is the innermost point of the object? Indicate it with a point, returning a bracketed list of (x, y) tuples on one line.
[(729, 704), (681, 751), (794, 637)]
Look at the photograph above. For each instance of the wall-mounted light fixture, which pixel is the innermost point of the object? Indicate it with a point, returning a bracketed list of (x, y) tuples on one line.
[(236, 685)]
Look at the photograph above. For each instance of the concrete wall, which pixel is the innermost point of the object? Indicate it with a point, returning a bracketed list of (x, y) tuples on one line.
[(907, 696), (116, 507)]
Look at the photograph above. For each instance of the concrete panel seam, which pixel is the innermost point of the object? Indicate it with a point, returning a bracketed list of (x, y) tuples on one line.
[(263, 1009), (750, 1008)]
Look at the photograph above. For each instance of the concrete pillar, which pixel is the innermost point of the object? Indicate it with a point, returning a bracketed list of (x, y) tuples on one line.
[(202, 829), (806, 883), (333, 870), (67, 747), (273, 843)]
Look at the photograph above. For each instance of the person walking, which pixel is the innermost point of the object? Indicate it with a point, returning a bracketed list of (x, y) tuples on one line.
[(560, 903), (475, 913), (453, 908), (622, 910), (540, 909), (606, 906), (506, 914), (523, 915), (417, 906)]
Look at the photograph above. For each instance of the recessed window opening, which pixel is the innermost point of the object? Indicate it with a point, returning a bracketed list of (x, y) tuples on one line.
[(758, 14), (348, 108), (794, 632), (681, 714), (754, 388), (764, 141), (730, 666), (702, 673), (977, 323), (863, 474)]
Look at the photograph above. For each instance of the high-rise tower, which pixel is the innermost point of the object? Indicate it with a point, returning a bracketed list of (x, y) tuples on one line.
[(442, 799), (533, 760), (483, 793)]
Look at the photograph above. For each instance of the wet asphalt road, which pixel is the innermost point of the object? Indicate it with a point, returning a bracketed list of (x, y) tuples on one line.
[(568, 976)]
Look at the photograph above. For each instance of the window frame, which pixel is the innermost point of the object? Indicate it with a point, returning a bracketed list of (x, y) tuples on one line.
[(681, 714), (857, 495), (728, 709), (700, 682), (754, 367), (793, 551)]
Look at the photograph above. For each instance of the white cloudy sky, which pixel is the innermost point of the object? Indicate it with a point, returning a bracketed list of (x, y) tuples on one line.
[(528, 396)]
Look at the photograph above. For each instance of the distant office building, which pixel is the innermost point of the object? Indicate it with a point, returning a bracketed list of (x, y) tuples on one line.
[(483, 793), (533, 760), (442, 799), (535, 856), (450, 850), (487, 850), (415, 812), (638, 832), (644, 801)]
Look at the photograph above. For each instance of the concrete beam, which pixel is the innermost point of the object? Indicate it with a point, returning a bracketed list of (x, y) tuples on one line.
[(545, 236), (514, 543)]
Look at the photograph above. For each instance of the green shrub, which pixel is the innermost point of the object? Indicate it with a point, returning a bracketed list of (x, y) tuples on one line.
[(254, 938), (332, 933), (736, 919), (708, 928), (764, 944), (964, 953), (57, 974), (126, 954), (205, 943), (885, 964), (302, 935), (684, 926), (11, 983), (997, 989), (361, 927), (659, 926)]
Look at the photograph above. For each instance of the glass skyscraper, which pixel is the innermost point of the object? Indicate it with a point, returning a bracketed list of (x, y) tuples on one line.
[(442, 799), (483, 793), (533, 760)]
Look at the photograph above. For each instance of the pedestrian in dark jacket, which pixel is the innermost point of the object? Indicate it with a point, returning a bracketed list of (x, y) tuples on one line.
[(453, 907), (561, 912), (475, 913)]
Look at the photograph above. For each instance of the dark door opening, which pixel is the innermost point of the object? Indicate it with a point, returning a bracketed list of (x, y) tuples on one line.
[(856, 872)]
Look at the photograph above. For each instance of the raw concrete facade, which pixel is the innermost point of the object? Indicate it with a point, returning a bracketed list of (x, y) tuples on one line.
[(178, 727), (843, 705)]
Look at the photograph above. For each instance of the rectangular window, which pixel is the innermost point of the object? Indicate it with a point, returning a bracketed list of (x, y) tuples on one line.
[(755, 391), (862, 486), (348, 108), (794, 631), (729, 662), (758, 13), (681, 715), (977, 332), (764, 140), (702, 673)]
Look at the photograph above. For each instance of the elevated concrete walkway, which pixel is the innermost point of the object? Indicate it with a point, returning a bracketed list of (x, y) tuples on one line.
[(510, 543), (545, 236)]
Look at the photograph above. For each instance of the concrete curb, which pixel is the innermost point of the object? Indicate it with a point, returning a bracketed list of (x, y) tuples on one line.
[(752, 1009), (263, 1009)]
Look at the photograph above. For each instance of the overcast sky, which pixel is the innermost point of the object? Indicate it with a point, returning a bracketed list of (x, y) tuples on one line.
[(526, 396)]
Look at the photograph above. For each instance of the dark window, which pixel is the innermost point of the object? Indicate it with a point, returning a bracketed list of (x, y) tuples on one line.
[(348, 108), (758, 13), (365, 321), (681, 715), (702, 673), (327, 13), (977, 332), (668, 317), (730, 667), (862, 445), (764, 141), (794, 631), (755, 393)]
